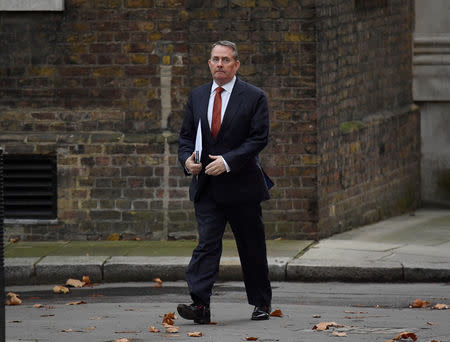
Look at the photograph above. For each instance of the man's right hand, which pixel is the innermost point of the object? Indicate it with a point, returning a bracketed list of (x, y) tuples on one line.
[(191, 166)]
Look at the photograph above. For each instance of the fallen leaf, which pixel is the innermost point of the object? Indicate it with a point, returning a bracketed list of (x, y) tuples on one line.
[(419, 303), (113, 237), (431, 323), (251, 338), (95, 318), (13, 299), (168, 318), (325, 325), (212, 323), (276, 313), (60, 289), (127, 332), (38, 306), (195, 334), (77, 302), (435, 341), (158, 280), (405, 335), (316, 316), (122, 340), (91, 328), (441, 307), (75, 283), (86, 280), (67, 330), (14, 240), (339, 334), (50, 315), (153, 329), (172, 329)]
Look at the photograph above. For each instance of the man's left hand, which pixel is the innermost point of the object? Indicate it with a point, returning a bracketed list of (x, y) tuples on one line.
[(216, 167)]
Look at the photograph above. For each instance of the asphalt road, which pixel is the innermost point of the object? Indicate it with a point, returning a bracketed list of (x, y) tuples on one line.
[(366, 312)]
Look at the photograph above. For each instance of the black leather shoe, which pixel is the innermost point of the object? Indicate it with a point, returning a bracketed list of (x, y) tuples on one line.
[(199, 313), (261, 313)]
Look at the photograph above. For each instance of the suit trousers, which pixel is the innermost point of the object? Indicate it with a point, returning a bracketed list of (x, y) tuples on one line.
[(248, 229)]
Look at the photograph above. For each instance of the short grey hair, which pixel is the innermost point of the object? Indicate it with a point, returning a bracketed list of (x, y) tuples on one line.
[(229, 44)]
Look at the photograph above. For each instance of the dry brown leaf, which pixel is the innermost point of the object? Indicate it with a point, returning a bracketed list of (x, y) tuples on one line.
[(122, 340), (195, 334), (153, 329), (168, 318), (435, 341), (276, 313), (158, 280), (38, 306), (91, 328), (75, 283), (316, 316), (212, 323), (419, 303), (339, 334), (172, 329), (404, 335), (86, 280), (78, 302), (14, 240), (13, 299), (325, 325), (431, 323), (67, 330), (113, 237), (251, 338), (441, 307), (60, 289)]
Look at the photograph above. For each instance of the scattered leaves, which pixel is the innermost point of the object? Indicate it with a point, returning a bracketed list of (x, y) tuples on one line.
[(195, 334), (77, 302), (325, 325), (60, 289), (75, 283), (339, 334), (277, 313), (158, 282), (441, 307), (419, 303), (153, 329), (172, 329), (13, 299), (251, 338), (405, 335)]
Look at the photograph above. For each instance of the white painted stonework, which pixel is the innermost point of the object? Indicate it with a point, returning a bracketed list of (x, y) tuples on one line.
[(31, 5)]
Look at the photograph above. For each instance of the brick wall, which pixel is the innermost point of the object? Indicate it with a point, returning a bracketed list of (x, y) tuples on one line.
[(369, 134), (102, 85)]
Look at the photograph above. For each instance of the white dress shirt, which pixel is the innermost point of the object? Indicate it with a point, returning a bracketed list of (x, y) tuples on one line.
[(226, 93)]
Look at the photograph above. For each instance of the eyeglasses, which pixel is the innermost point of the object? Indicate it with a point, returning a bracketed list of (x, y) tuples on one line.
[(225, 60)]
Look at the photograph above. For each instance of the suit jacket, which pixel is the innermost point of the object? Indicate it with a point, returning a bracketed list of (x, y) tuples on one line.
[(243, 134)]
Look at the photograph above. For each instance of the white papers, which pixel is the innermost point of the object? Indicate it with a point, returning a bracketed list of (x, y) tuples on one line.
[(198, 141)]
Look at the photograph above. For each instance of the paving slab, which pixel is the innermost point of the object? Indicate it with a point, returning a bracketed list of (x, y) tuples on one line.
[(19, 271), (57, 269)]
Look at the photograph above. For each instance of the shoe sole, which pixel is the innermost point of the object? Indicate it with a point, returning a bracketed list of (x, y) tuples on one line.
[(260, 318)]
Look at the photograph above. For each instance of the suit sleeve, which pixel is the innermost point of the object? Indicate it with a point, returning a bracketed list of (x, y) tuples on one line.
[(257, 138), (186, 140)]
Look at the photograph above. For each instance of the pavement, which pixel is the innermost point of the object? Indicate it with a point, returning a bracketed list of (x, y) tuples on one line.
[(411, 248)]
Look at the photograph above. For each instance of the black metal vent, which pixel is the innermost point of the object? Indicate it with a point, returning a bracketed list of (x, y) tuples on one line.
[(30, 190)]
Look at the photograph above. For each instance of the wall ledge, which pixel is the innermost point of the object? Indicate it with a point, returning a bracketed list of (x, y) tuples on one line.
[(31, 5)]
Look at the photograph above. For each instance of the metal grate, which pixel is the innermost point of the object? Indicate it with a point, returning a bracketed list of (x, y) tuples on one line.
[(30, 190)]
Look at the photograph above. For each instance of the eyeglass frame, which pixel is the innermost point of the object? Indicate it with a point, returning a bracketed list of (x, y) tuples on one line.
[(224, 60)]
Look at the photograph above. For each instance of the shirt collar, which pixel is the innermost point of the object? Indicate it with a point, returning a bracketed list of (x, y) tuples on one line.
[(227, 86)]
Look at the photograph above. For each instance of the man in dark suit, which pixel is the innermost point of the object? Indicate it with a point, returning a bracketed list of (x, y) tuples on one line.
[(228, 183)]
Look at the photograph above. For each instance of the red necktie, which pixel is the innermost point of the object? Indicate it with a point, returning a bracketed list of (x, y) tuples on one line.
[(217, 111)]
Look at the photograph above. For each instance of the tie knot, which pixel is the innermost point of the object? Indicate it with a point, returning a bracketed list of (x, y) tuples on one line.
[(219, 90)]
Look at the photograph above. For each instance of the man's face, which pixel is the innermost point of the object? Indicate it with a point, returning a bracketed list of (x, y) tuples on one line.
[(222, 64)]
